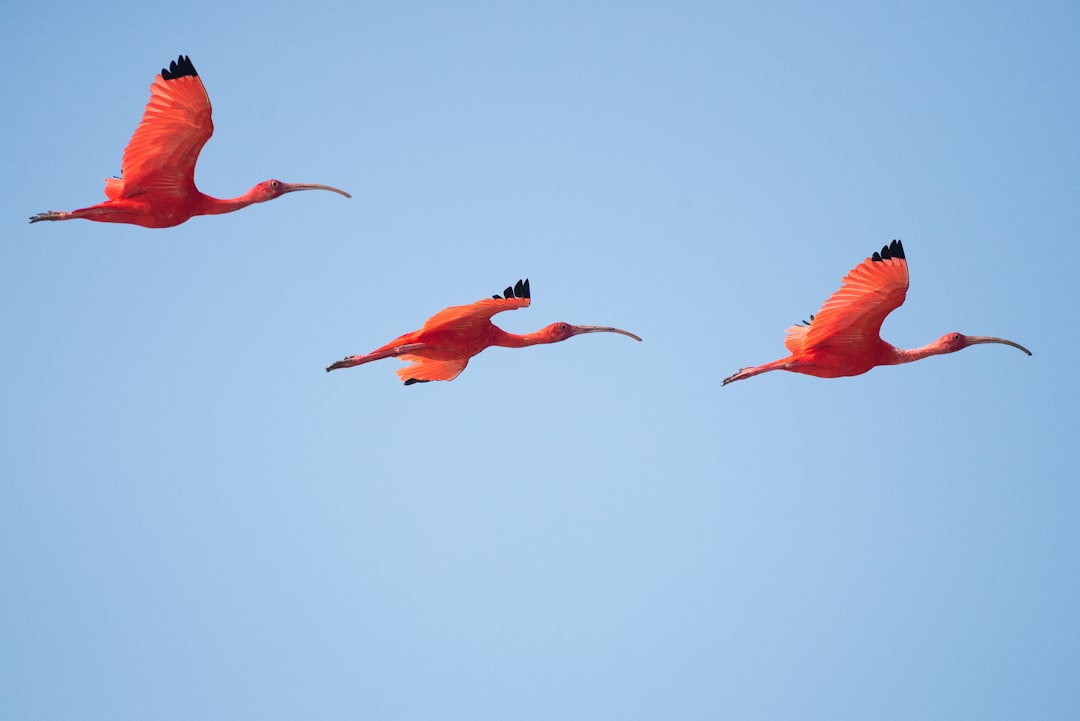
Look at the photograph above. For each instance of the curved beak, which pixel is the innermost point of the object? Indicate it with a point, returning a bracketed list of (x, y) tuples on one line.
[(975, 339), (290, 187), (576, 329)]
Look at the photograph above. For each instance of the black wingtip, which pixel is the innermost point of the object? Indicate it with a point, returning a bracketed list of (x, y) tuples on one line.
[(179, 68), (410, 381), (894, 249), (518, 290)]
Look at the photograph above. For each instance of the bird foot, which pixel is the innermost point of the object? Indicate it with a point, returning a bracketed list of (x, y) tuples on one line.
[(48, 215), (343, 363), (734, 377)]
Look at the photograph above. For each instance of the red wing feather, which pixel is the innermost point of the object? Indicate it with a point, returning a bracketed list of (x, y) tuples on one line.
[(174, 128), (114, 188), (852, 316), (428, 369)]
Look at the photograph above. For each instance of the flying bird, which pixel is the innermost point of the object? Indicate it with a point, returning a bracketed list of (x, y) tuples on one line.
[(843, 338), (157, 187), (442, 348)]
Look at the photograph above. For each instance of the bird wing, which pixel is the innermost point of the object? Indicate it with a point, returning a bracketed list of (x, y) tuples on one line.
[(174, 128), (422, 369), (852, 316), (473, 314)]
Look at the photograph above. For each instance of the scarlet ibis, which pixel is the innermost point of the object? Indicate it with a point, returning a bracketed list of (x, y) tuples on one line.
[(157, 189), (442, 348), (843, 338)]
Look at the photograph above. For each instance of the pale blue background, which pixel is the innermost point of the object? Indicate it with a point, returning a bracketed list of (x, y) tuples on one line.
[(197, 522)]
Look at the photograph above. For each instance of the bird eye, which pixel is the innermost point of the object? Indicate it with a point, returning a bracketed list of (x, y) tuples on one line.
[(274, 184)]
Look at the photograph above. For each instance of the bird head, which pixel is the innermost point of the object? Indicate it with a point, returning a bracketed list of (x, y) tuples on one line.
[(561, 331), (270, 189), (952, 342)]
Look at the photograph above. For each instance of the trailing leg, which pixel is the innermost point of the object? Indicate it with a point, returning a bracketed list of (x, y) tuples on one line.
[(355, 360)]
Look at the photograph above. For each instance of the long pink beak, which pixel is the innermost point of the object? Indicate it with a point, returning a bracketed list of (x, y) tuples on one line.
[(290, 187), (975, 339), (601, 329)]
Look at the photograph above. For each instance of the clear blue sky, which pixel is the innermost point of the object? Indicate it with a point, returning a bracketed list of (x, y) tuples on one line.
[(197, 522)]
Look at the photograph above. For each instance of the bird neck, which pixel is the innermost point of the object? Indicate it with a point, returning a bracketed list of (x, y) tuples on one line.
[(514, 340), (909, 355), (217, 206)]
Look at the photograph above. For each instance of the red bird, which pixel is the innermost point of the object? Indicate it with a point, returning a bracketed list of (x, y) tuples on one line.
[(843, 338), (157, 189), (442, 348)]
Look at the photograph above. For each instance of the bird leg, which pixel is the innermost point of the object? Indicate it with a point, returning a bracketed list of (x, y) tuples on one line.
[(355, 360), (108, 212), (782, 364)]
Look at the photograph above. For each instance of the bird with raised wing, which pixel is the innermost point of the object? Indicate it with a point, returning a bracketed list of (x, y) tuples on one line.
[(843, 338), (157, 184), (442, 348)]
